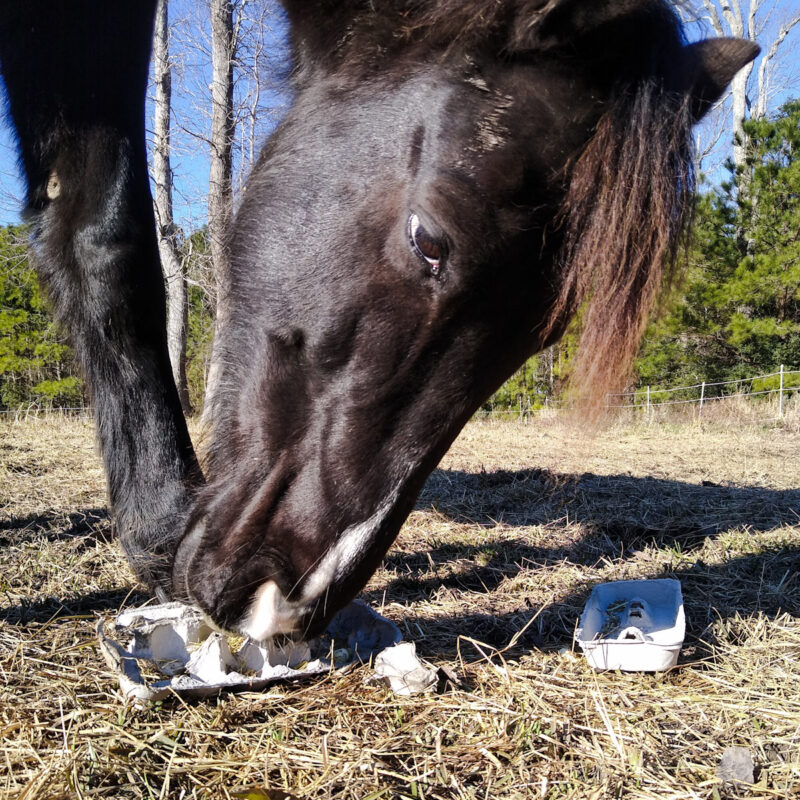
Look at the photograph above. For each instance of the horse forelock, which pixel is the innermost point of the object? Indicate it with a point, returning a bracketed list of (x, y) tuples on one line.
[(357, 35)]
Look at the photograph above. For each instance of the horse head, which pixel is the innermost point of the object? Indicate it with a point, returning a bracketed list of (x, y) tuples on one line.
[(452, 181)]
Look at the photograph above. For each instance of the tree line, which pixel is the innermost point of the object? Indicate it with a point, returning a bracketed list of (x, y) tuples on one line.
[(735, 313)]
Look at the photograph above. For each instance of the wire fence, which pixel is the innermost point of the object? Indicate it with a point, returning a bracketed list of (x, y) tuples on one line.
[(778, 386), (38, 410)]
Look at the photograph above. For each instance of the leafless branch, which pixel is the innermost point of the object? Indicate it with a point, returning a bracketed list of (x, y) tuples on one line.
[(714, 18), (766, 60)]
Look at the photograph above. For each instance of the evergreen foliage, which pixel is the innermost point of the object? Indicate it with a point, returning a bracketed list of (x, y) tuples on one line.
[(737, 313), (538, 381), (36, 364), (196, 253)]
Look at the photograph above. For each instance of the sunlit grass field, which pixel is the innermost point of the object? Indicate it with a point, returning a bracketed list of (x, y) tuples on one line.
[(488, 577)]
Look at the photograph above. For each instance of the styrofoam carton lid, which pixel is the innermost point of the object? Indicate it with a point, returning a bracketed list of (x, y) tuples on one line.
[(633, 625)]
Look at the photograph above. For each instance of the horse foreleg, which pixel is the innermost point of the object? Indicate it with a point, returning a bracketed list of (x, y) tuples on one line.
[(76, 74)]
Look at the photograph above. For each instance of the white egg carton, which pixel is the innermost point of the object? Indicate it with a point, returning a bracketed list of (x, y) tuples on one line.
[(634, 626), (184, 656)]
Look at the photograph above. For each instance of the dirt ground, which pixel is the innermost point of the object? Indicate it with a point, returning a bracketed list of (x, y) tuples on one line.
[(488, 578)]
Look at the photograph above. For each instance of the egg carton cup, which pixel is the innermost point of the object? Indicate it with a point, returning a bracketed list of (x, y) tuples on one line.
[(634, 626)]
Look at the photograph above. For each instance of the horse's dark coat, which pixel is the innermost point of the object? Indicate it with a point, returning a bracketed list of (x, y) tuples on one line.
[(452, 180)]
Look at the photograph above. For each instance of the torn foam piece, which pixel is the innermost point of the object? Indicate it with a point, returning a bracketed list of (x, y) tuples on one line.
[(403, 671)]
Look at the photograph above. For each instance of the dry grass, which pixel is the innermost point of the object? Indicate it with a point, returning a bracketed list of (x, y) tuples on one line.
[(488, 576)]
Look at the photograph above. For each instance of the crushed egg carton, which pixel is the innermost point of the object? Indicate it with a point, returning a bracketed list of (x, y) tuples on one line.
[(634, 626), (169, 649)]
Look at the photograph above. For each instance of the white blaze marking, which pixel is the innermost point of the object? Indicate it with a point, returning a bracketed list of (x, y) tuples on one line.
[(355, 540), (192, 539), (269, 614)]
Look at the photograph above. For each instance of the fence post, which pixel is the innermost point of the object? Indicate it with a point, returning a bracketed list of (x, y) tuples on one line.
[(648, 404), (780, 396), (702, 398)]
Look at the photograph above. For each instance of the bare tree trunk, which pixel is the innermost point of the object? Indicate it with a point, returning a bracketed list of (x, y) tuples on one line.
[(740, 107), (220, 188), (177, 300), (753, 20)]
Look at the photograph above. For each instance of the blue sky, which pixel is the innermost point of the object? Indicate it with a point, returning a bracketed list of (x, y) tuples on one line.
[(11, 191), (191, 101), (189, 158)]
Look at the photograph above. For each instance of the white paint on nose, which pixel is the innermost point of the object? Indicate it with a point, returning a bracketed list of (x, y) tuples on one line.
[(353, 542), (187, 547), (269, 614)]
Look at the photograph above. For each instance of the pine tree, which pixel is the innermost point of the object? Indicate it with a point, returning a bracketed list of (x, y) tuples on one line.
[(36, 365), (738, 313)]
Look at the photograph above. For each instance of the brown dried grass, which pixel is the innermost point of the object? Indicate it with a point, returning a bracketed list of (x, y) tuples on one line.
[(488, 577)]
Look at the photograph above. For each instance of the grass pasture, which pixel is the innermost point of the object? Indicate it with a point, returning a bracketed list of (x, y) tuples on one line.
[(488, 577)]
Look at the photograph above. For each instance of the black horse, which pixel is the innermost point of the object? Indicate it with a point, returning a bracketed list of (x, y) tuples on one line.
[(453, 179)]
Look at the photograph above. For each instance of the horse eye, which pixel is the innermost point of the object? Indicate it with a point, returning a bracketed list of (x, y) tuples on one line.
[(426, 247)]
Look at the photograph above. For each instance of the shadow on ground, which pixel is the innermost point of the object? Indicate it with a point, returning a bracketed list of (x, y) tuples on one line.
[(618, 518), (86, 527), (54, 526), (619, 505), (767, 583), (48, 609)]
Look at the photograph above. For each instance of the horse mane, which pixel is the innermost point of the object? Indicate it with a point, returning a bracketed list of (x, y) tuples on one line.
[(629, 192), (624, 218)]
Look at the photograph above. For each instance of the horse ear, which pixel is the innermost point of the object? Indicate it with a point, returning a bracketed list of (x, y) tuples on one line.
[(711, 65)]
